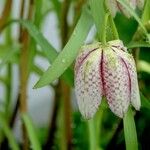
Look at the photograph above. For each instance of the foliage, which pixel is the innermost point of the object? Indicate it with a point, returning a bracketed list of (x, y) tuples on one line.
[(67, 129)]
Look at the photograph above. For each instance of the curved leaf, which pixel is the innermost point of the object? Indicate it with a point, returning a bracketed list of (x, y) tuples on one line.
[(7, 131), (70, 51), (31, 132)]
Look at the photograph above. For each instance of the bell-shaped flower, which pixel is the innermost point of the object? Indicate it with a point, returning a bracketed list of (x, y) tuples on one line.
[(114, 6), (106, 71)]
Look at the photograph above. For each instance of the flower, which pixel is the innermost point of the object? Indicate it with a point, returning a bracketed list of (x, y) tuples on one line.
[(114, 6), (106, 71)]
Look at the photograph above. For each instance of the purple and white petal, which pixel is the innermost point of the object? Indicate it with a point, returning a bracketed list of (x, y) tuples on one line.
[(115, 82), (88, 85), (134, 88), (112, 6), (83, 54), (140, 4), (135, 94)]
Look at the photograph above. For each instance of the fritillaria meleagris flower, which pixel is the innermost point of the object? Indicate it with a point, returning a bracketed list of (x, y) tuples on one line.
[(114, 6), (106, 71)]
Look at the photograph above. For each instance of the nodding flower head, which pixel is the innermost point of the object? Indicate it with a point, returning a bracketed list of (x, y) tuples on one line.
[(114, 6), (106, 71)]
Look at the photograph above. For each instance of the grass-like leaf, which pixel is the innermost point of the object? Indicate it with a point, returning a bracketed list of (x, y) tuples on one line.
[(70, 51), (98, 14), (31, 132), (9, 54), (146, 12), (7, 131), (135, 44)]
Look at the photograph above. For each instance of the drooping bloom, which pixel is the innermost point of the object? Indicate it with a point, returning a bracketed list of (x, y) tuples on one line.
[(114, 6), (106, 71)]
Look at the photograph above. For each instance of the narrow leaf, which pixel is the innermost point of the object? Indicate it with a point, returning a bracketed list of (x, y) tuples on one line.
[(146, 12), (135, 44), (98, 14), (48, 49), (70, 51), (8, 56), (31, 132), (7, 131), (130, 131)]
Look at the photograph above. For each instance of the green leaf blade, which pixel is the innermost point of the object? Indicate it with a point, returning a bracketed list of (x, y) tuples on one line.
[(31, 132), (98, 14), (70, 51), (7, 131)]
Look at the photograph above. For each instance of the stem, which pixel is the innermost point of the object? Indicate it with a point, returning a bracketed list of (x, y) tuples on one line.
[(64, 24), (65, 89), (130, 131), (53, 122), (104, 29), (24, 70), (94, 128), (5, 13), (98, 121), (92, 135), (67, 113), (9, 77), (113, 27)]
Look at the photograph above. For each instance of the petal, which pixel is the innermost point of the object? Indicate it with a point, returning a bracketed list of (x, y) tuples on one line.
[(135, 94), (132, 3), (117, 44), (123, 10), (88, 86), (116, 82), (140, 4), (112, 6), (83, 54), (134, 88)]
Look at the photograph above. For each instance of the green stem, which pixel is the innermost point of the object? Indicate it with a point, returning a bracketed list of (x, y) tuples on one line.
[(8, 77), (113, 27), (92, 135), (104, 29), (98, 122), (130, 131)]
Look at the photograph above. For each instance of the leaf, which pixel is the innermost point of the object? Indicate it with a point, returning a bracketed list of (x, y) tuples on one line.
[(144, 66), (48, 49), (7, 131), (130, 131), (9, 54), (136, 44), (70, 51), (98, 14), (145, 102), (31, 132), (136, 17), (146, 12)]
